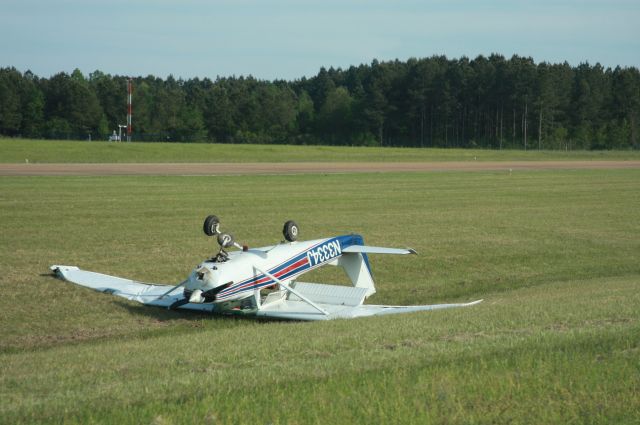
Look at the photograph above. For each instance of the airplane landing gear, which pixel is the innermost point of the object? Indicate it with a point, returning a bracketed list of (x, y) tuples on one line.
[(290, 231)]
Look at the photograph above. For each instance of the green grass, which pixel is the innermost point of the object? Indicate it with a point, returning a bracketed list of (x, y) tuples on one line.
[(553, 253), (49, 151)]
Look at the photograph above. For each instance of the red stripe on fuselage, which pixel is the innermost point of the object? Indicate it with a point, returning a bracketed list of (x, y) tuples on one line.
[(250, 285), (302, 262)]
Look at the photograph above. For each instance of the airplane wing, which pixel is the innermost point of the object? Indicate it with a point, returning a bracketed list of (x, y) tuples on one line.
[(145, 293), (338, 302), (308, 301), (363, 249), (299, 310)]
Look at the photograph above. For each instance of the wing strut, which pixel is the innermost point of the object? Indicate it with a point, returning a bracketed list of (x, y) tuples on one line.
[(294, 292), (171, 290)]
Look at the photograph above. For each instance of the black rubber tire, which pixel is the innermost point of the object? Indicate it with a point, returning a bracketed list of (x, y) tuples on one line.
[(210, 226), (290, 231)]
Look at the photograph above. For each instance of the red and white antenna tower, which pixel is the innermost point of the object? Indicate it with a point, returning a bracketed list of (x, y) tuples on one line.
[(129, 92)]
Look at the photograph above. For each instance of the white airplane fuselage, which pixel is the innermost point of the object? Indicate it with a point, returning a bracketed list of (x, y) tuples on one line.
[(249, 270)]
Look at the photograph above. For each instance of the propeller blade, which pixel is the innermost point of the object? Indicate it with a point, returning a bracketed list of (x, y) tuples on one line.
[(179, 303), (213, 292)]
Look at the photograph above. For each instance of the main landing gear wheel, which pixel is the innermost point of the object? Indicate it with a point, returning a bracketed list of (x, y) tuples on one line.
[(290, 231), (211, 225)]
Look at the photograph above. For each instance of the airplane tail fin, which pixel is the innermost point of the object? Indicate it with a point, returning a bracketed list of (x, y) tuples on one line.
[(356, 266)]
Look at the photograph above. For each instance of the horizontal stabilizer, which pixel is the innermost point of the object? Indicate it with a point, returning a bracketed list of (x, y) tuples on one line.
[(377, 250)]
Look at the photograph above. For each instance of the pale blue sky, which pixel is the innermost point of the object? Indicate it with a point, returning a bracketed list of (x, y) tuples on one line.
[(288, 39)]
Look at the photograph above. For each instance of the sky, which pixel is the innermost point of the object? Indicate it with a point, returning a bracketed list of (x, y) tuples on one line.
[(288, 39)]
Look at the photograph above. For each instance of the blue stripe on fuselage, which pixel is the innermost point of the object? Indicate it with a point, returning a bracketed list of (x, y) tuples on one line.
[(317, 255)]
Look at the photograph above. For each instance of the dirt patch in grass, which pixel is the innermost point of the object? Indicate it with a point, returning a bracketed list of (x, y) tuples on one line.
[(298, 167)]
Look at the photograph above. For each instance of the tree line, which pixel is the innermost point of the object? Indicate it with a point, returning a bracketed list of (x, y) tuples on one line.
[(489, 102)]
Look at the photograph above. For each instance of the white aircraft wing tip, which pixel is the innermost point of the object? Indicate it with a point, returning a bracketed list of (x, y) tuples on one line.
[(366, 249), (56, 267)]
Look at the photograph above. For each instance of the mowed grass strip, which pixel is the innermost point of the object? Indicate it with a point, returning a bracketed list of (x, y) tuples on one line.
[(534, 355), (553, 253), (55, 151)]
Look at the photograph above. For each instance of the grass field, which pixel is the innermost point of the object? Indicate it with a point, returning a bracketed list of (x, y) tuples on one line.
[(50, 151), (554, 254)]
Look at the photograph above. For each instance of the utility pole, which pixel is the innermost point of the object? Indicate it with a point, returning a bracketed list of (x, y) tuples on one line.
[(129, 92), (524, 123)]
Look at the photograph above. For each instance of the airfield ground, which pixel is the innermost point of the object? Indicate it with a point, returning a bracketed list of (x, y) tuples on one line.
[(208, 169), (552, 250)]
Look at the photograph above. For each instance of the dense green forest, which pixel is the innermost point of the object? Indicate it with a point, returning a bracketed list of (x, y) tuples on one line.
[(488, 102)]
